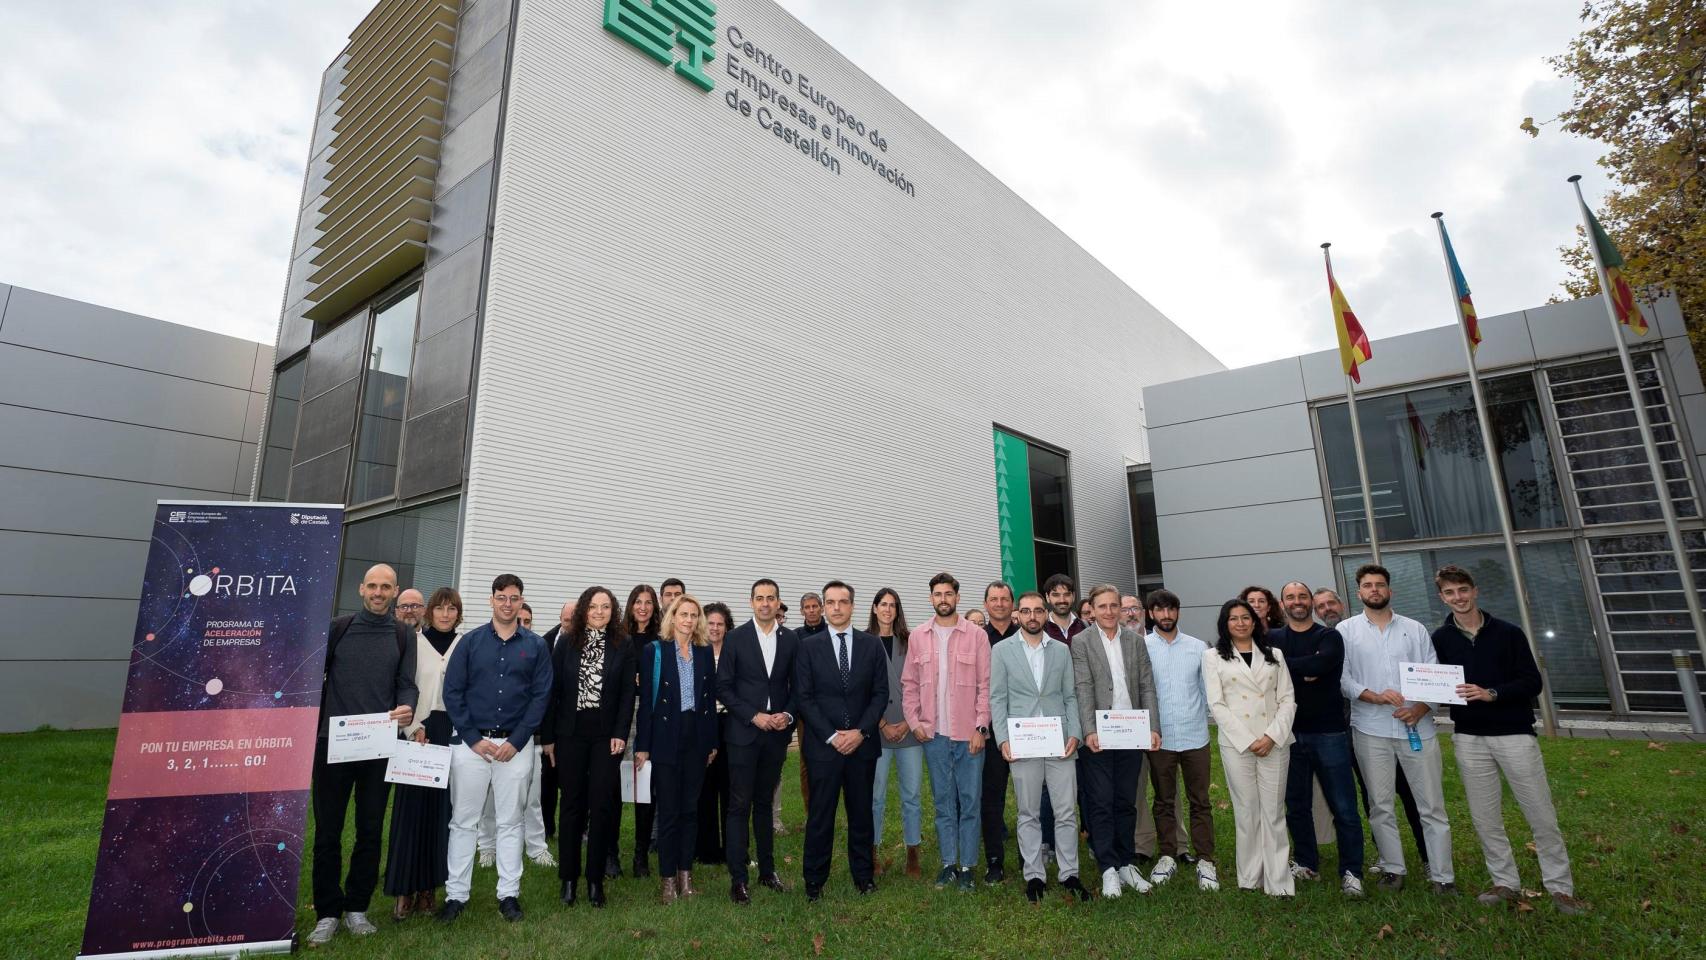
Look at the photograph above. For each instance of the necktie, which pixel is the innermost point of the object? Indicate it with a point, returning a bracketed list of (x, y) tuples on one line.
[(843, 658)]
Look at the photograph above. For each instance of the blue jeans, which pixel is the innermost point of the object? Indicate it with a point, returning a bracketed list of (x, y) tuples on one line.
[(910, 760), (956, 788), (1327, 756)]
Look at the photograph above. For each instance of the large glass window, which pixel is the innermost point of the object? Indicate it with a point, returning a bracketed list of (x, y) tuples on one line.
[(1606, 459), (1145, 529), (281, 430), (1427, 467), (379, 437), (420, 543), (1034, 506), (1647, 611), (1557, 604)]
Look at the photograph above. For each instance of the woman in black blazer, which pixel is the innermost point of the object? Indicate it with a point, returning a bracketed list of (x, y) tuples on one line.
[(678, 732), (586, 721)]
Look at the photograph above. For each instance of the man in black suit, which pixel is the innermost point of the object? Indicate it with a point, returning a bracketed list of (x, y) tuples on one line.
[(841, 687), (755, 681)]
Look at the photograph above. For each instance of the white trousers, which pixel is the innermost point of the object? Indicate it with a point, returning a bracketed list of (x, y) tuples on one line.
[(1480, 760), (532, 824), (1061, 778), (473, 779), (1379, 757), (1257, 786)]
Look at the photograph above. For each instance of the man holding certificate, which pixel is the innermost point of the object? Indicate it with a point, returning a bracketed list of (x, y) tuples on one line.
[(1494, 735), (1033, 709), (1112, 677)]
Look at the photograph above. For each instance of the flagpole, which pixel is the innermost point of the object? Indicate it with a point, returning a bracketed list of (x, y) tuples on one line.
[(1356, 441), (1548, 715), (1661, 486)]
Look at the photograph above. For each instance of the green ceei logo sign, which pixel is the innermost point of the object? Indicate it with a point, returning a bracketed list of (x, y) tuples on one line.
[(659, 26)]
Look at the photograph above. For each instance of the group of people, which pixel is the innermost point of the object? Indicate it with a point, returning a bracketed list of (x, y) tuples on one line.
[(1305, 701)]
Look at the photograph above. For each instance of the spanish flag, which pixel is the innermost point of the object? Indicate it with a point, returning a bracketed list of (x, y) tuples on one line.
[(1353, 343), (1622, 297), (1465, 306)]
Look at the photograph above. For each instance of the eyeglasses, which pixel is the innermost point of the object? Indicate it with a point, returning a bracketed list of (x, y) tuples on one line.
[(506, 598), (411, 606)]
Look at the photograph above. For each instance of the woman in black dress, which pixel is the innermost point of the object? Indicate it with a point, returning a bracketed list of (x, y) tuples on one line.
[(640, 620), (417, 858), (714, 797)]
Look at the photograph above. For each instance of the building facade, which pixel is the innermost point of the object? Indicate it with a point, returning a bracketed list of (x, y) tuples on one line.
[(1255, 482), (606, 292), (102, 413)]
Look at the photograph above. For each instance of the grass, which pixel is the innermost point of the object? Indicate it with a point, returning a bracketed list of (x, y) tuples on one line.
[(1629, 810)]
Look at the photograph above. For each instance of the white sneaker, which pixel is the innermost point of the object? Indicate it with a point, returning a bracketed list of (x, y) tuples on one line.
[(544, 858), (1164, 870), (1301, 872), (1351, 886), (358, 924), (488, 858), (1130, 876), (1207, 879), (1111, 883), (323, 931)]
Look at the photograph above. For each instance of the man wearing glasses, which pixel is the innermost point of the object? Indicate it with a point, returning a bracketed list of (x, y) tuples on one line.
[(495, 689), (411, 607)]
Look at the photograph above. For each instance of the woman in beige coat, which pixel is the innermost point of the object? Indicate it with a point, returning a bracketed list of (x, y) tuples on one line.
[(1250, 695)]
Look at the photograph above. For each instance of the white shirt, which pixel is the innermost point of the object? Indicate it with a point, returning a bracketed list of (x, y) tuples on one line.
[(1372, 656), (1034, 657), (767, 647), (1116, 666), (943, 635)]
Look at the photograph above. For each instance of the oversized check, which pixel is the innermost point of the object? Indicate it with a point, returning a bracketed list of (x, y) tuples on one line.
[(1036, 737), (360, 736), (1122, 729), (1431, 682), (419, 765), (636, 788)]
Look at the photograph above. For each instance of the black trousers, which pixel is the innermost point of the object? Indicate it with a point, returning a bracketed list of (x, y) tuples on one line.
[(832, 779), (713, 809), (675, 796), (548, 796), (754, 771), (333, 783), (1111, 799), (586, 772), (993, 805)]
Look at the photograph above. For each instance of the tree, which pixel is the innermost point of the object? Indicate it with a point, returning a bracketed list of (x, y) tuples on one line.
[(1639, 68)]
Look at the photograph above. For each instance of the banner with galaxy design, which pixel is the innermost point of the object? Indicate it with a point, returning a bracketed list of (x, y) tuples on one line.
[(202, 844)]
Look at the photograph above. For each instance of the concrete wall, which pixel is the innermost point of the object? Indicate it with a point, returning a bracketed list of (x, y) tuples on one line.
[(101, 414)]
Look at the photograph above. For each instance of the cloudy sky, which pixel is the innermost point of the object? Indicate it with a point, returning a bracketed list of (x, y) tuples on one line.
[(151, 154)]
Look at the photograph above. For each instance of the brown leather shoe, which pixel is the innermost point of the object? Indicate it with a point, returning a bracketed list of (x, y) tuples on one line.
[(684, 884), (426, 902), (666, 891), (912, 868), (404, 908)]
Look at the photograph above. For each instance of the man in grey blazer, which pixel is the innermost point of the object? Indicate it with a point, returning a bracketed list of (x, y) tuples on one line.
[(1031, 675), (1110, 666)]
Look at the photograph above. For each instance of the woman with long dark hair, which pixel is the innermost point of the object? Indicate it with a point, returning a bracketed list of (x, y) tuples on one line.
[(584, 732), (1250, 694), (714, 797), (1266, 605), (900, 748), (416, 858), (677, 724), (640, 621)]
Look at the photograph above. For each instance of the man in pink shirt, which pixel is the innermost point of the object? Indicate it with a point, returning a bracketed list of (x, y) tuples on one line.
[(945, 698)]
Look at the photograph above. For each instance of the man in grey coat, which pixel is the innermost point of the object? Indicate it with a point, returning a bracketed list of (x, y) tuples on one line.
[(1110, 665), (1031, 676)]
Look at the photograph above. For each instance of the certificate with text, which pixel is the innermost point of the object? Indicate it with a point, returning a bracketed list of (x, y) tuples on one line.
[(419, 765), (360, 736), (1030, 738), (1431, 682), (1122, 729)]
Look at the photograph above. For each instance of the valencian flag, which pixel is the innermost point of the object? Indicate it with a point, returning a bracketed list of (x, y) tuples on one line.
[(1465, 306), (1622, 296), (1353, 343)]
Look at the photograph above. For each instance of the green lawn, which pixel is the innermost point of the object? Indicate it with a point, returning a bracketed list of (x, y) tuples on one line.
[(1629, 809)]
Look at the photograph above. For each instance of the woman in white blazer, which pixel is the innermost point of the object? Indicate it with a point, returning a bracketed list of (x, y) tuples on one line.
[(1250, 695)]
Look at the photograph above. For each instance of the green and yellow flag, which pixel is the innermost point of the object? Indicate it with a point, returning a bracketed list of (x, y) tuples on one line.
[(1622, 296)]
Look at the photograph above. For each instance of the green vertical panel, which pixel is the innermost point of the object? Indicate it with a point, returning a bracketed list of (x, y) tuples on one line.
[(1013, 509)]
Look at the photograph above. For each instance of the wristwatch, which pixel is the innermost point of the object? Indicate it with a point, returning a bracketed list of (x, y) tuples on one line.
[(1492, 695), (983, 731)]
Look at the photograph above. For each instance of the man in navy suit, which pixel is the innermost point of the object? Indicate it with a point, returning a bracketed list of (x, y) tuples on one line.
[(841, 687), (755, 681)]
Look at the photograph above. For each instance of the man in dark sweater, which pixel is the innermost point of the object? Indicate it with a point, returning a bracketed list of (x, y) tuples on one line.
[(370, 668), (999, 625), (1495, 734), (1315, 655)]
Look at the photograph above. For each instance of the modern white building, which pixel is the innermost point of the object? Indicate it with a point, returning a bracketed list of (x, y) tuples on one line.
[(610, 292)]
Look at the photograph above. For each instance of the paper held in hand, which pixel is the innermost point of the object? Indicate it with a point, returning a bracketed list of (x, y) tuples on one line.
[(419, 765), (636, 789), (1035, 737), (1431, 682), (360, 736), (1122, 729)]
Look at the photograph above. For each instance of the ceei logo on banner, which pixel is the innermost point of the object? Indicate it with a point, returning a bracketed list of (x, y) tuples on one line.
[(657, 27)]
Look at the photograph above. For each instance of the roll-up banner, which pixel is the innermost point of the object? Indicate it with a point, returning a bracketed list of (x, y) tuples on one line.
[(201, 848)]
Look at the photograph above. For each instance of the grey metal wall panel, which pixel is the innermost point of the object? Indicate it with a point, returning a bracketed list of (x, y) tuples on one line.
[(477, 80), (242, 479), (1425, 354), (91, 388), (36, 630), (481, 21), (1218, 394), (67, 696), (1567, 329), (42, 440), (459, 215), (451, 290), (323, 479), (86, 506), (433, 446), (1280, 478), (1685, 370), (1198, 621), (443, 368), (1235, 531), (1666, 315), (470, 144), (853, 421), (1213, 581), (326, 422), (79, 566), (336, 356), (1237, 436)]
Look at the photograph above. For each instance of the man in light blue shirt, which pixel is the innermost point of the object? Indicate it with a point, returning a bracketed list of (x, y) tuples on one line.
[(1177, 660), (1389, 732)]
